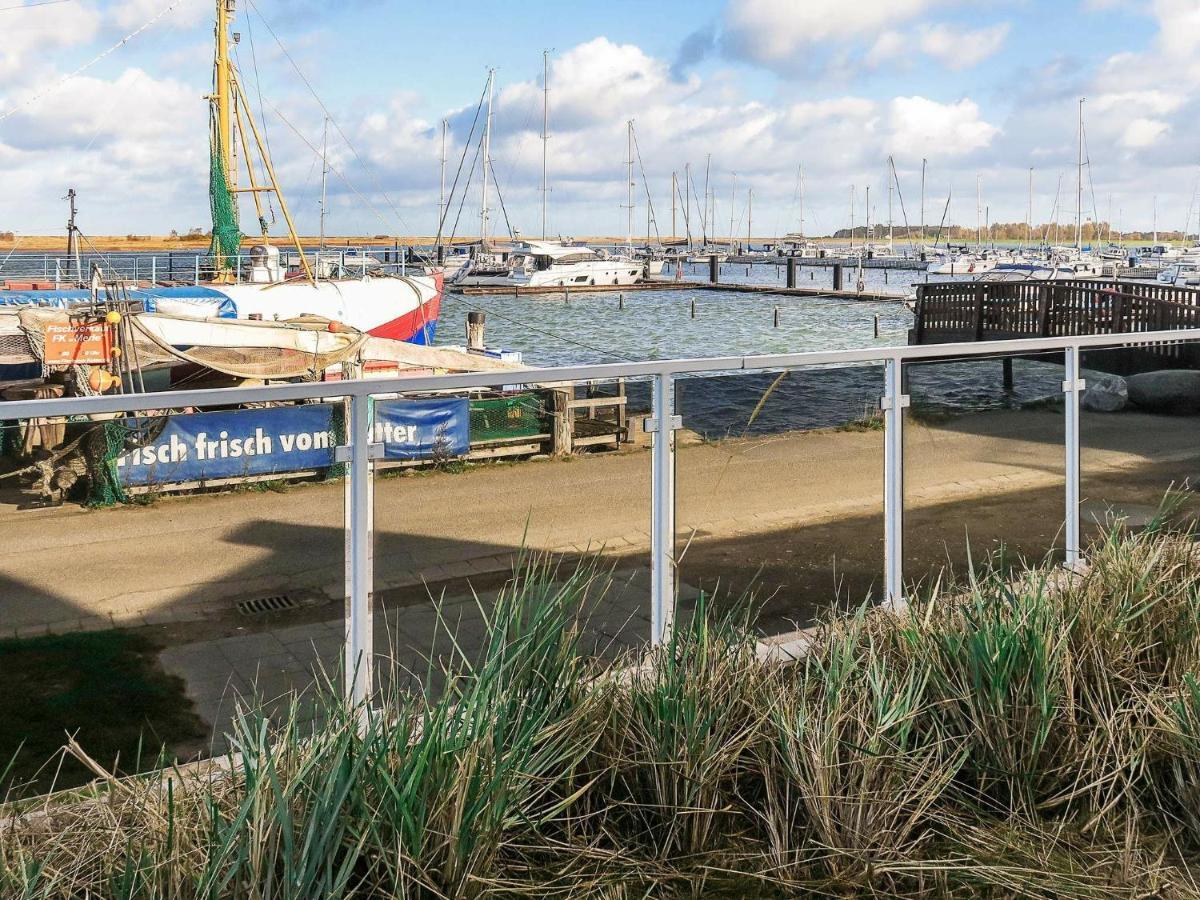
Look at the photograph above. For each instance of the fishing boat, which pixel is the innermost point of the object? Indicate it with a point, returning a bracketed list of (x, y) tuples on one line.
[(270, 287)]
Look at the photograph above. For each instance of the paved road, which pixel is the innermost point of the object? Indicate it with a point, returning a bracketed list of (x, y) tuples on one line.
[(185, 558)]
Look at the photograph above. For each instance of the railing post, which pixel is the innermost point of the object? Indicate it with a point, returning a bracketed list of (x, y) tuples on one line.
[(893, 404), (1072, 387), (197, 268), (662, 425), (153, 270), (359, 550)]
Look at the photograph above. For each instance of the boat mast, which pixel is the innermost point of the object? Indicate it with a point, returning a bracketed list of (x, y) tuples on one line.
[(324, 177), (800, 178), (1079, 184), (978, 202), (749, 214), (1029, 213), (442, 190), (674, 188), (704, 219), (545, 132), (867, 220), (923, 162), (732, 207), (891, 187), (852, 205), (487, 164), (687, 201), (629, 187)]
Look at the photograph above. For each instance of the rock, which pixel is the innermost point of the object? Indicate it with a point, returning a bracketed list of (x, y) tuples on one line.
[(1108, 393), (1170, 391)]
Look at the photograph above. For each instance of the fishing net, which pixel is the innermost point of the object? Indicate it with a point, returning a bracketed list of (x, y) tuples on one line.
[(519, 415), (226, 235)]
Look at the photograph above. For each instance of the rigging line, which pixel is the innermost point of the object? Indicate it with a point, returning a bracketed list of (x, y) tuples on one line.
[(903, 213), (296, 131), (454, 185), (15, 245), (337, 126), (649, 199), (34, 98), (462, 201), (262, 113), (33, 5), (500, 197)]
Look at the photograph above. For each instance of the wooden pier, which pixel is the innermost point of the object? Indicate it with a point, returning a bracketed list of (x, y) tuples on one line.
[(964, 311)]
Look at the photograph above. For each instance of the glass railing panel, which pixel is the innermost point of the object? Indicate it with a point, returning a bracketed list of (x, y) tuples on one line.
[(779, 490), (983, 464), (523, 491), (158, 570), (1139, 436)]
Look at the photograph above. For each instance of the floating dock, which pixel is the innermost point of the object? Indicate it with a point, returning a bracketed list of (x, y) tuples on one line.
[(866, 296)]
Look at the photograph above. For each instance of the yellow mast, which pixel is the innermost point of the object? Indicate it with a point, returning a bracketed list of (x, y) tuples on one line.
[(227, 99), (223, 83)]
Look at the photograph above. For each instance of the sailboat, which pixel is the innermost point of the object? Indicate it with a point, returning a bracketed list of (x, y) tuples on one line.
[(546, 263), (269, 288)]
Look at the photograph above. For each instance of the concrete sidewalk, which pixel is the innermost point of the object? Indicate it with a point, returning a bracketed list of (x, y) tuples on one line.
[(187, 559)]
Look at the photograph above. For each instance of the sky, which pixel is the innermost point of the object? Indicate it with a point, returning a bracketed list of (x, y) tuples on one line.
[(108, 97)]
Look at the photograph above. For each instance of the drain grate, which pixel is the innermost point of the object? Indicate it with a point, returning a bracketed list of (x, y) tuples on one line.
[(260, 605)]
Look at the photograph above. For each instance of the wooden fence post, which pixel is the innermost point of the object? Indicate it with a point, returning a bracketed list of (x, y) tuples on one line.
[(561, 441)]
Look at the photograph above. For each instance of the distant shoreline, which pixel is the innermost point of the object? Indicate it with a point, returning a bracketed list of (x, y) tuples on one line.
[(57, 243)]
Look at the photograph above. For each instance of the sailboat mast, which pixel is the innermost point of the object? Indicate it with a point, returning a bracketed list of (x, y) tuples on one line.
[(1029, 213), (867, 211), (891, 187), (674, 188), (1079, 184), (852, 205), (923, 162), (732, 207), (325, 177), (704, 220), (223, 92), (487, 164), (978, 203), (687, 201), (545, 132), (629, 185), (749, 214), (442, 190), (800, 178)]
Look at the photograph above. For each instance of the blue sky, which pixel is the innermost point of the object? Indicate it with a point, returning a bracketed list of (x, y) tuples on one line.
[(982, 90)]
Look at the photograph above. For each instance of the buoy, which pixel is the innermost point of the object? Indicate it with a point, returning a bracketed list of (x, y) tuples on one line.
[(113, 317), (116, 351), (101, 380)]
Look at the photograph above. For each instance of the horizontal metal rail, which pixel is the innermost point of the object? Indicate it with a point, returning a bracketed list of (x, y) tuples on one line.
[(358, 453)]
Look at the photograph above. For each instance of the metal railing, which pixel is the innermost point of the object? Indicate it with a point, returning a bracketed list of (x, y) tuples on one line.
[(188, 266), (358, 452)]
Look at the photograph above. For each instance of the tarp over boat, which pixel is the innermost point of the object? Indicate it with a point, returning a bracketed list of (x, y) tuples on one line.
[(206, 301)]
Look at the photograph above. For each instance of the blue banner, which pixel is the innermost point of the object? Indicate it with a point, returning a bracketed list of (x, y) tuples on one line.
[(215, 445), (420, 429)]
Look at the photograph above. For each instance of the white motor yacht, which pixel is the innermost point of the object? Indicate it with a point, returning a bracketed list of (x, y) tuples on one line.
[(554, 264)]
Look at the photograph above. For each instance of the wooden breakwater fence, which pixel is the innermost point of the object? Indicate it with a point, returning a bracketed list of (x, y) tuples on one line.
[(966, 311)]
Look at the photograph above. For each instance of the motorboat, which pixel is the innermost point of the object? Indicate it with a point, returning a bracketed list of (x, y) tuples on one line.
[(1181, 274), (555, 264)]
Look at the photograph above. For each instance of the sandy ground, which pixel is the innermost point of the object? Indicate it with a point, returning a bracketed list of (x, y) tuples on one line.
[(796, 516)]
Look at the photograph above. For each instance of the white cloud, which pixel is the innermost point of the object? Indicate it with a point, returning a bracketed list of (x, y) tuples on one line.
[(962, 48), (922, 127), (888, 47), (773, 32), (1143, 132)]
